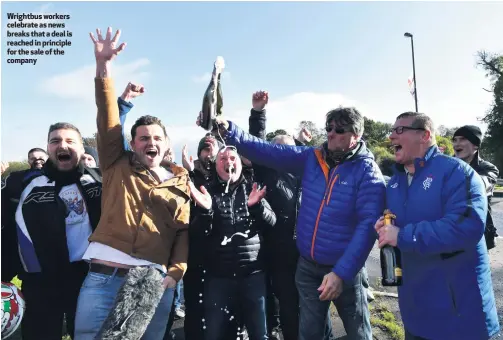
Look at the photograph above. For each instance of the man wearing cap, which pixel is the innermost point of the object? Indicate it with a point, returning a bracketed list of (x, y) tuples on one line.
[(202, 173), (466, 142)]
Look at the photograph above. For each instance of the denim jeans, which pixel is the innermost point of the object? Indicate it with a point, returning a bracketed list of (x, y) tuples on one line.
[(351, 305), (97, 298), (226, 298), (179, 298)]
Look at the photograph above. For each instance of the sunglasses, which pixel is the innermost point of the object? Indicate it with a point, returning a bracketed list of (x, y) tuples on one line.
[(337, 130), (400, 129), (231, 147)]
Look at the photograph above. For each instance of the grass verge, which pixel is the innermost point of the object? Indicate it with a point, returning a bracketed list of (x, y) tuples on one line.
[(384, 319)]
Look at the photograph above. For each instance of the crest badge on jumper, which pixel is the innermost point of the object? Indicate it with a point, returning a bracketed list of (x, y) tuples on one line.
[(75, 206), (427, 182)]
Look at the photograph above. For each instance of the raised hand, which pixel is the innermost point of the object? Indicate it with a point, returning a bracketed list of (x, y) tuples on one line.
[(304, 135), (202, 198), (187, 162), (260, 100), (132, 91), (220, 121), (170, 155), (105, 50), (3, 166), (256, 195)]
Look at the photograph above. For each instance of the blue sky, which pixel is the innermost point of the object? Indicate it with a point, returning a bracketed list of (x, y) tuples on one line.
[(311, 57)]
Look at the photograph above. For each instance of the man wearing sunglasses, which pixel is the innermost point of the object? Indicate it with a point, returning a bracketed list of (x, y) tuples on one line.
[(441, 208), (343, 191)]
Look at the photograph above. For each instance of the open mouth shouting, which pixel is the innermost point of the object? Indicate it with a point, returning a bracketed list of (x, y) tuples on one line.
[(396, 148), (151, 153), (64, 156), (230, 169)]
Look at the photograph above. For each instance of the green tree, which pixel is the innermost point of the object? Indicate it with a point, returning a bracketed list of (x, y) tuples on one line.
[(15, 166), (269, 137), (491, 149), (445, 131), (90, 141), (375, 132), (319, 136), (445, 144), (384, 158)]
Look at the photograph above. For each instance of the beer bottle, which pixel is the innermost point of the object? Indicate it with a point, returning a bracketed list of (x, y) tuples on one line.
[(213, 99), (391, 260)]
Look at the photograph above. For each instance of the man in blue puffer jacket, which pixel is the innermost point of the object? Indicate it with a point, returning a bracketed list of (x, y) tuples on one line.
[(343, 194), (441, 207)]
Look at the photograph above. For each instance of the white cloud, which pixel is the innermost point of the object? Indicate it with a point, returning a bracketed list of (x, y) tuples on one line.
[(78, 84), (205, 78), (284, 113)]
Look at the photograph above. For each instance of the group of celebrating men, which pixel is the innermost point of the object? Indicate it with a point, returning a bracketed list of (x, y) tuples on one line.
[(101, 239)]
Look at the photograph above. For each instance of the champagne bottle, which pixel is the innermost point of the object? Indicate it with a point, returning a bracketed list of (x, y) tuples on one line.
[(391, 258), (213, 99)]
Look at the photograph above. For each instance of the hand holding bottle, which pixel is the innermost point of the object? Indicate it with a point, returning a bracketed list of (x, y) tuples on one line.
[(388, 233), (391, 259)]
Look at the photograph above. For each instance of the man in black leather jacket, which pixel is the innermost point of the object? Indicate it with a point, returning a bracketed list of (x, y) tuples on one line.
[(231, 214), (466, 142)]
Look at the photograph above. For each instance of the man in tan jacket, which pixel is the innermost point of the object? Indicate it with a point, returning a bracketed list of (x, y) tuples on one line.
[(145, 207)]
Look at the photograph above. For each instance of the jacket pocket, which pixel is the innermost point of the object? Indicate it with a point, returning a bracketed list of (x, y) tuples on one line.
[(433, 295), (453, 298)]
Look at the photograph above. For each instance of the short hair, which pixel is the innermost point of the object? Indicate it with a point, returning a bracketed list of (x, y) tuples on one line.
[(421, 121), (63, 126), (347, 116), (285, 138), (148, 120), (35, 150)]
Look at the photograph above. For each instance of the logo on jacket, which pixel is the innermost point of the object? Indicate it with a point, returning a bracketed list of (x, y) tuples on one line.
[(427, 182), (75, 206), (394, 185)]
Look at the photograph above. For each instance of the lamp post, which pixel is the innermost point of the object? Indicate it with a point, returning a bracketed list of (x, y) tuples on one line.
[(408, 35)]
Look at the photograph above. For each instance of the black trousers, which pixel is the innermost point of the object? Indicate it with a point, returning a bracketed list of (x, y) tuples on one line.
[(282, 265), (49, 298), (193, 286), (194, 311)]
